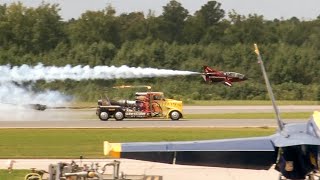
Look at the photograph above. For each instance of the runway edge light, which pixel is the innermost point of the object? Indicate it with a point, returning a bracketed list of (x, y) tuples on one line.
[(112, 149)]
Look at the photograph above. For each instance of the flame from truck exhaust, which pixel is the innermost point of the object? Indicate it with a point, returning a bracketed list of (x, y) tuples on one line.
[(26, 73)]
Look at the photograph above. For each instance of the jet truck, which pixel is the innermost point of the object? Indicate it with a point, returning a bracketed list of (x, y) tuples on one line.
[(145, 105)]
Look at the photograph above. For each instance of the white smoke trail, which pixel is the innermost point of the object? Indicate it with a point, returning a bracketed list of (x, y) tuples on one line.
[(50, 73), (15, 103), (12, 94)]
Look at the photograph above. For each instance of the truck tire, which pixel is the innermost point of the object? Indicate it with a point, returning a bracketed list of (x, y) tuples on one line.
[(175, 115), (119, 115), (104, 116)]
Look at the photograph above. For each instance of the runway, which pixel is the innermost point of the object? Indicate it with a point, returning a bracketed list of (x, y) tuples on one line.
[(94, 123), (86, 118)]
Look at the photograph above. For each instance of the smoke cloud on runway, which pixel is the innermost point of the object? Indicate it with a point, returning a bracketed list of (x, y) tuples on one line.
[(26, 73), (13, 94), (15, 102)]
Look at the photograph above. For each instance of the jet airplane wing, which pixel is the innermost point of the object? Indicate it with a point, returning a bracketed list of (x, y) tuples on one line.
[(223, 153)]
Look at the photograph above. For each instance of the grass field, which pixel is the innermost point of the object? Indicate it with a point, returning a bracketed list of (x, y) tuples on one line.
[(15, 175), (220, 103), (247, 102), (71, 143), (294, 115)]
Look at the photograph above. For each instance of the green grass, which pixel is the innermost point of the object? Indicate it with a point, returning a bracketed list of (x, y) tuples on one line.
[(71, 143), (294, 115), (218, 103), (246, 102), (15, 175)]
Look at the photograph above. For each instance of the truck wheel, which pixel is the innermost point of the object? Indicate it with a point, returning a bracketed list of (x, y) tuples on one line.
[(104, 116), (119, 115), (175, 115)]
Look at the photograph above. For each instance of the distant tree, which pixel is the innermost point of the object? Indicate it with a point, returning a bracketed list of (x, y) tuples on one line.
[(17, 26), (48, 29), (95, 26), (5, 33), (205, 24), (210, 13), (133, 26), (35, 30), (244, 29), (172, 21), (193, 30)]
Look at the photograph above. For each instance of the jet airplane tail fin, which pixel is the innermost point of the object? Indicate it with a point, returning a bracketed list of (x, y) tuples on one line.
[(206, 73), (207, 69)]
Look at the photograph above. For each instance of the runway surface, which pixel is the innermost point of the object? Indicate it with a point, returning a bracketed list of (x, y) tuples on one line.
[(201, 123), (86, 118), (168, 171)]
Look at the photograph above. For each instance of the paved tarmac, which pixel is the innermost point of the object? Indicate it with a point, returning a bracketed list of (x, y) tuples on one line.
[(86, 118), (168, 171), (13, 113), (95, 123)]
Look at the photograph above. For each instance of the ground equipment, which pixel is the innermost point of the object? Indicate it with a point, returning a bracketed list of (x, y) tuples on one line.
[(74, 171)]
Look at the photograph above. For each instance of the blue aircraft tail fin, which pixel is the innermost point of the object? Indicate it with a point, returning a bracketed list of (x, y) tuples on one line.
[(275, 107)]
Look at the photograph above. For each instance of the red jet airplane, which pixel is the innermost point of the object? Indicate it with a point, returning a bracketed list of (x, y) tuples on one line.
[(212, 76)]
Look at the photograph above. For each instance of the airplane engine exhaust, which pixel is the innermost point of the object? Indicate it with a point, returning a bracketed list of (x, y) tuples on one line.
[(27, 73)]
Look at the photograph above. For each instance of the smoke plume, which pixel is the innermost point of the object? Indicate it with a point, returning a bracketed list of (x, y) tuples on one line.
[(15, 101), (50, 73), (13, 94)]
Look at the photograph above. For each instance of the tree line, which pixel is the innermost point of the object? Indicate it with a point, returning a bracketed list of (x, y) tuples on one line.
[(174, 39)]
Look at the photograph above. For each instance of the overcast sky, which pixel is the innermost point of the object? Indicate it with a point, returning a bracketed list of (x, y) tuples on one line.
[(270, 9)]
